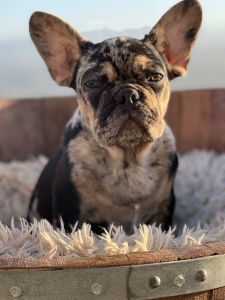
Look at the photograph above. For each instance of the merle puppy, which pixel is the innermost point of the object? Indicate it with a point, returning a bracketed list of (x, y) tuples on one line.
[(117, 160)]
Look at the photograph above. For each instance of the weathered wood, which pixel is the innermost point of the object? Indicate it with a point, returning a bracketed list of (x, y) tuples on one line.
[(101, 261), (189, 116), (35, 126), (218, 120), (197, 119), (32, 126)]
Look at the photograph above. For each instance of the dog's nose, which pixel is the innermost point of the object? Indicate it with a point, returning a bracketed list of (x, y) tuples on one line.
[(127, 96)]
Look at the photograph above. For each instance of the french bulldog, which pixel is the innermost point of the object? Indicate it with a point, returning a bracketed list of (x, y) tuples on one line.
[(117, 160)]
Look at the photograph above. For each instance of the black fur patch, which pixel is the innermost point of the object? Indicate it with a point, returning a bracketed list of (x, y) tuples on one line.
[(108, 109), (173, 164), (66, 199), (73, 81), (125, 165), (186, 6), (99, 228), (190, 34), (71, 132), (155, 164), (44, 187), (169, 217)]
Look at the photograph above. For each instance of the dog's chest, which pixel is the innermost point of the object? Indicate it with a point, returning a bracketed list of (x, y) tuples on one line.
[(123, 181), (120, 192)]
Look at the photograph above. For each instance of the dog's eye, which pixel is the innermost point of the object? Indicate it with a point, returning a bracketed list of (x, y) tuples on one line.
[(93, 84), (155, 77)]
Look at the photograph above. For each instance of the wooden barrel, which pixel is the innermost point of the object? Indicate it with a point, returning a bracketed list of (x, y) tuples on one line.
[(192, 273), (32, 127)]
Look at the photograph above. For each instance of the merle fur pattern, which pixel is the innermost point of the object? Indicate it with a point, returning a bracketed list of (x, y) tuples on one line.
[(118, 158)]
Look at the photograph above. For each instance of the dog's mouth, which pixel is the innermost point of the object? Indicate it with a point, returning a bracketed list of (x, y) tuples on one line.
[(126, 132), (131, 134), (128, 121)]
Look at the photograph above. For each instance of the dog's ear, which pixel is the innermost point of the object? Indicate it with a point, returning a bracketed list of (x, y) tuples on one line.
[(175, 33), (59, 44)]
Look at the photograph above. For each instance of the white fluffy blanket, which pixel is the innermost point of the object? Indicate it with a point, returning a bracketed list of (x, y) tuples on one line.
[(200, 194)]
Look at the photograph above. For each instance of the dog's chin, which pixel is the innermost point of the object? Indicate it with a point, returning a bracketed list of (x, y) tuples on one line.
[(129, 135)]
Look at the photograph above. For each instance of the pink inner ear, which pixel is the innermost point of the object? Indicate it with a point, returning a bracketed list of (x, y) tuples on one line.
[(176, 59), (61, 64), (168, 53), (69, 60)]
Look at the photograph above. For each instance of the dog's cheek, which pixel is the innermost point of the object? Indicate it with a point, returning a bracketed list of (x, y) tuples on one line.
[(158, 129), (89, 116), (164, 99), (84, 112)]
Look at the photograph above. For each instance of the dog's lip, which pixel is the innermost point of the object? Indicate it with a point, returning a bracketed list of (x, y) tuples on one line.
[(130, 124)]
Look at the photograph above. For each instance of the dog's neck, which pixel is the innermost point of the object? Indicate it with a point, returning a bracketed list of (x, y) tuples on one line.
[(133, 154)]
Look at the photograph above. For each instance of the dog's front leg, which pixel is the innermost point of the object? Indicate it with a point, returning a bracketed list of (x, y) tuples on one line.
[(66, 199), (164, 217)]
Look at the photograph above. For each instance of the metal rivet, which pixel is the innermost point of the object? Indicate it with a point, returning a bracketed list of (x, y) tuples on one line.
[(179, 280), (96, 288), (201, 275), (15, 291), (154, 282)]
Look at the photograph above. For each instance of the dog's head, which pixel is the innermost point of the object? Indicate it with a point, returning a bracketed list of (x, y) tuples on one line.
[(122, 84)]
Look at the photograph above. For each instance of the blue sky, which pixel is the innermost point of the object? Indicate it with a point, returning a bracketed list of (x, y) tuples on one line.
[(24, 74), (93, 15)]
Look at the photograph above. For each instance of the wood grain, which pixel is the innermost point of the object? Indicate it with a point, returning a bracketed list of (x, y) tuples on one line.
[(32, 126)]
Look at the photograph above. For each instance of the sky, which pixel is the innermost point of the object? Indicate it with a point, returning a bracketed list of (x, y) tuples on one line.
[(89, 15), (23, 73)]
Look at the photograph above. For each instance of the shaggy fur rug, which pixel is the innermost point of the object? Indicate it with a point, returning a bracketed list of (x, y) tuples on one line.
[(199, 215)]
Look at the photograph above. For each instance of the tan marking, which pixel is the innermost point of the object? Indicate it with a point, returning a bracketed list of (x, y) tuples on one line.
[(108, 69), (141, 60), (86, 112)]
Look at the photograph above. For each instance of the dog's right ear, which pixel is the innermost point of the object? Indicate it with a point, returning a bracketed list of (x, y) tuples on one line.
[(175, 34), (59, 44)]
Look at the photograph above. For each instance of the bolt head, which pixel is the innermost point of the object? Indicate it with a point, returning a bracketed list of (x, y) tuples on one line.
[(15, 291), (201, 275), (154, 282), (179, 280), (96, 288)]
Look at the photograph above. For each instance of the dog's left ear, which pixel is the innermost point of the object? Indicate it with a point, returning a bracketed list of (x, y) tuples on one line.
[(175, 33), (59, 44)]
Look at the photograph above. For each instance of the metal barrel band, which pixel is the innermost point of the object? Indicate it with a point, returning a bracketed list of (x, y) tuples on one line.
[(135, 282)]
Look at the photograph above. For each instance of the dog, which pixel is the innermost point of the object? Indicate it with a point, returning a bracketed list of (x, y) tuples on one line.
[(117, 160)]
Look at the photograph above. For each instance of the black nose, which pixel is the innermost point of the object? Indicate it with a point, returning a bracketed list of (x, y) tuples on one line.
[(127, 96)]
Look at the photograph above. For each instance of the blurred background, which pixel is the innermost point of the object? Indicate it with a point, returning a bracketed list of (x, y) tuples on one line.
[(23, 73)]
